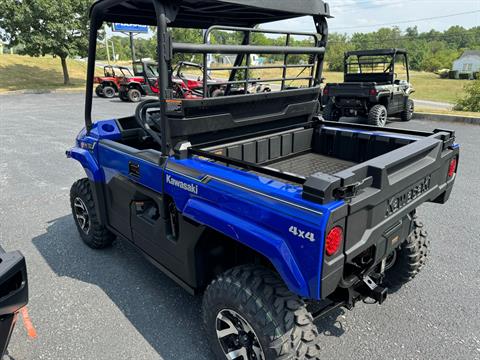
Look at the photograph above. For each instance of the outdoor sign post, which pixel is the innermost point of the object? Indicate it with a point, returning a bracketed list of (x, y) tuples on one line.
[(131, 29)]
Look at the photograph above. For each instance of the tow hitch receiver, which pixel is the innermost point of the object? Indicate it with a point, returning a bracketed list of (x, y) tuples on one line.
[(373, 291)]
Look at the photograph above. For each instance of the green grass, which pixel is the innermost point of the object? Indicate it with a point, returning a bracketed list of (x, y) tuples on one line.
[(24, 72)]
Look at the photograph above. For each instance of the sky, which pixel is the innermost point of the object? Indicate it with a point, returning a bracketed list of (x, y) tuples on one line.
[(357, 15)]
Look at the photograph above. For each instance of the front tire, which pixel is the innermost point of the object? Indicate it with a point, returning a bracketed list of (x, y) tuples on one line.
[(134, 95), (92, 232), (411, 257), (377, 116), (407, 114), (248, 311)]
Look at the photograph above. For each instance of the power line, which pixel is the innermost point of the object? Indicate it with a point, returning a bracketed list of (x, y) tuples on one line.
[(422, 36), (408, 21)]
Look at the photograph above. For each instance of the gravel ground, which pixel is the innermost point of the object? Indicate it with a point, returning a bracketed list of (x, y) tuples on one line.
[(112, 304)]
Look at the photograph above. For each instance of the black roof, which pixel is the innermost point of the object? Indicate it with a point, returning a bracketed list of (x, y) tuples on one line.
[(376, 52), (205, 13)]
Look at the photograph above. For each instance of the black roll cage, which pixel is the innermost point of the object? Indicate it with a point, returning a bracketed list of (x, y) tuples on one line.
[(166, 12), (377, 52)]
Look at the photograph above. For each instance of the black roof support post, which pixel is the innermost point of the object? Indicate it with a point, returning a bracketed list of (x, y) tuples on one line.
[(164, 51), (321, 26), (95, 24)]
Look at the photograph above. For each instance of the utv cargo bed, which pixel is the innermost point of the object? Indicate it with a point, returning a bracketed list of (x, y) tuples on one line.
[(309, 164)]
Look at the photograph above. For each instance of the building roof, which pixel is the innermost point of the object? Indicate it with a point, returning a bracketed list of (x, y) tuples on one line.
[(470, 53), (206, 13)]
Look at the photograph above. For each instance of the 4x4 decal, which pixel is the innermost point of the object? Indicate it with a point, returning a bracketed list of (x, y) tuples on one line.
[(302, 234)]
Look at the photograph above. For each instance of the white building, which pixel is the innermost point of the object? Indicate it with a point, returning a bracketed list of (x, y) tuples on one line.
[(468, 63)]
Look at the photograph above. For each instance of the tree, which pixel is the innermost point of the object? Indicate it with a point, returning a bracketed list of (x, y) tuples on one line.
[(41, 27), (337, 46), (471, 101)]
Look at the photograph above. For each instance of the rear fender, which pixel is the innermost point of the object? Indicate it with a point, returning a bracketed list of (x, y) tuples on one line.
[(252, 235)]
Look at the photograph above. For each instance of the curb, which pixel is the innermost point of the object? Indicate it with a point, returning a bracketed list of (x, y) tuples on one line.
[(42, 91), (451, 118)]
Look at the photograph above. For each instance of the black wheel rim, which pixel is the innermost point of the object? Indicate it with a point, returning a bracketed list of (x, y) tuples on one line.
[(81, 215), (237, 337), (383, 117)]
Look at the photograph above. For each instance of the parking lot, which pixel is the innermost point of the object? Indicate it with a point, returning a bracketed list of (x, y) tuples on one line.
[(113, 304)]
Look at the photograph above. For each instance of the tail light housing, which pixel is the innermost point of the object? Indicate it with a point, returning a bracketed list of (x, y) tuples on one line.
[(333, 240), (325, 91), (452, 168), (373, 92)]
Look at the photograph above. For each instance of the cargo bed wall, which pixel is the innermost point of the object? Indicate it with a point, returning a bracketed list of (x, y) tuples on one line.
[(306, 151)]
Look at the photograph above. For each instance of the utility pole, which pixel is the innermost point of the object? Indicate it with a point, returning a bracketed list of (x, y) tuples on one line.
[(106, 44), (132, 46)]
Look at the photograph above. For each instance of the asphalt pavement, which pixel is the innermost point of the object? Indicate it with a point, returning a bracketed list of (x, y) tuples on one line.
[(113, 304)]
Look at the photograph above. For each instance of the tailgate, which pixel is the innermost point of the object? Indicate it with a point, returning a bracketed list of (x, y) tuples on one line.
[(349, 89), (391, 186)]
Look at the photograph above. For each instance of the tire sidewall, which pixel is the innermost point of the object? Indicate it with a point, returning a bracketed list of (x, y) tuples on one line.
[(375, 114)]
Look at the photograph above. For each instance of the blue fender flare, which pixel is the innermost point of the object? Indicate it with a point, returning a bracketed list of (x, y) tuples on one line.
[(252, 235), (88, 162)]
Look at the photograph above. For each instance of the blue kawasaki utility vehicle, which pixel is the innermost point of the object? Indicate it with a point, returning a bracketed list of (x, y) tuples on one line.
[(276, 215)]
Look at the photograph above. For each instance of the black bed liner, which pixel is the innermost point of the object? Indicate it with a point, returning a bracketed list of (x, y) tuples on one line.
[(311, 163)]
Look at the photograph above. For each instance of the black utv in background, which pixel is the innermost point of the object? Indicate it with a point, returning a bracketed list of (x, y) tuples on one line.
[(376, 85)]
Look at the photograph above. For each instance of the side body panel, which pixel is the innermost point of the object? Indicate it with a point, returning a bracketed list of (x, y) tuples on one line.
[(266, 215)]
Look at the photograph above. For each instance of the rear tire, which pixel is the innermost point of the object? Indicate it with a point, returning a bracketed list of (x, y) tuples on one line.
[(99, 91), (411, 257), (134, 95), (331, 112), (257, 313), (92, 232), (109, 92), (377, 116), (407, 114)]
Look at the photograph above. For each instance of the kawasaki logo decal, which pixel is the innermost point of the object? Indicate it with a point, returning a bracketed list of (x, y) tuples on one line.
[(401, 200), (192, 188)]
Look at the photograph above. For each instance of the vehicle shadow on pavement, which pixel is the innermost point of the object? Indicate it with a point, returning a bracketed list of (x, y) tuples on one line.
[(162, 312)]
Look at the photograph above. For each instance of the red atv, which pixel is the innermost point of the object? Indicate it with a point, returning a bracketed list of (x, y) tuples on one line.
[(187, 82), (109, 84)]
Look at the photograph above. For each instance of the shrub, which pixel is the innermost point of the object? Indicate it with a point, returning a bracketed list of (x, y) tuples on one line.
[(471, 101)]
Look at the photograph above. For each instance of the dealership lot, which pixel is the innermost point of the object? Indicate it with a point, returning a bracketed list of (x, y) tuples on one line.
[(113, 304)]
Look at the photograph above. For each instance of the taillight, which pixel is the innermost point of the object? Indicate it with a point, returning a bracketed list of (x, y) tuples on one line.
[(333, 240), (452, 169), (325, 91), (373, 92)]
